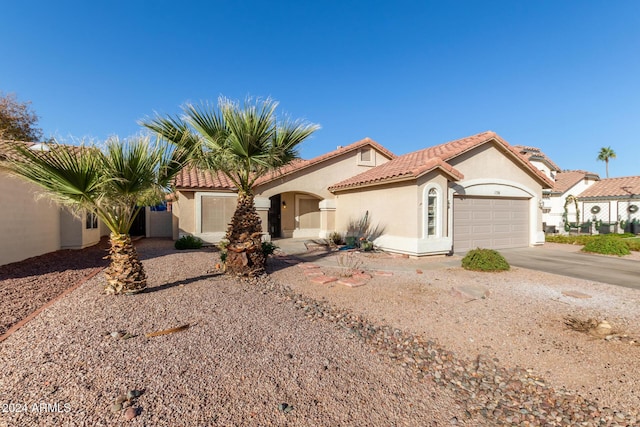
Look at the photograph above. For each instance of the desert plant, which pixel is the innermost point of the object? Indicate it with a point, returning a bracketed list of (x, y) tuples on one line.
[(244, 143), (268, 248), (484, 260), (336, 238), (608, 246), (349, 263), (114, 183), (362, 230), (188, 242)]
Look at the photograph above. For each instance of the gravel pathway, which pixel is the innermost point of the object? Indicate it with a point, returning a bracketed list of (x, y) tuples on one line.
[(282, 351)]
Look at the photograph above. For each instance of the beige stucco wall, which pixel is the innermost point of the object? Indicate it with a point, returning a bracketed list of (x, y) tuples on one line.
[(73, 231), (186, 212), (29, 226), (393, 207), (317, 178)]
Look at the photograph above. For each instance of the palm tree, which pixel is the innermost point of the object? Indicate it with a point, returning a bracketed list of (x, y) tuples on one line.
[(244, 143), (114, 184), (604, 155)]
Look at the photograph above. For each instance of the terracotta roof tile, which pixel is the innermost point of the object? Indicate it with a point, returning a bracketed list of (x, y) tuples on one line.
[(414, 164), (534, 153), (614, 187), (409, 166), (192, 178), (567, 179)]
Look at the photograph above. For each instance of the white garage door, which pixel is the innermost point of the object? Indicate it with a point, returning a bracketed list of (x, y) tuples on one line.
[(493, 223)]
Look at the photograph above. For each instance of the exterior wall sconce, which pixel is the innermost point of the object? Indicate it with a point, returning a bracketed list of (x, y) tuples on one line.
[(284, 205)]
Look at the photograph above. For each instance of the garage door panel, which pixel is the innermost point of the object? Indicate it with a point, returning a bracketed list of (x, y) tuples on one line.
[(494, 223)]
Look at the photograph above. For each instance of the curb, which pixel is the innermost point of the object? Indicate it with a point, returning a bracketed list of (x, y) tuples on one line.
[(48, 304)]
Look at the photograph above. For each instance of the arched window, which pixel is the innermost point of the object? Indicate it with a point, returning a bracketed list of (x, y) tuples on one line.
[(431, 225)]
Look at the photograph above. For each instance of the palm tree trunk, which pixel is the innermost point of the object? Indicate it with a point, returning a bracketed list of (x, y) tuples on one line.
[(125, 274), (244, 252)]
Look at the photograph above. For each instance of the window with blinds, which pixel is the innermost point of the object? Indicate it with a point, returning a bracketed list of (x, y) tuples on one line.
[(216, 213)]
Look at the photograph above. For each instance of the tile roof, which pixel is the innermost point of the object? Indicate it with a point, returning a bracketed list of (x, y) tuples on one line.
[(417, 163), (567, 179), (201, 179), (534, 153), (194, 179), (624, 187)]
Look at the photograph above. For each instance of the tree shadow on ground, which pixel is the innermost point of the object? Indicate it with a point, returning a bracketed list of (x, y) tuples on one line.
[(187, 281)]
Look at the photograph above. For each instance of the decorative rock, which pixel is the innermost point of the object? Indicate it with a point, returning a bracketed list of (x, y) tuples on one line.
[(603, 328), (313, 272), (383, 273), (116, 407), (351, 282), (130, 413), (120, 399), (418, 271)]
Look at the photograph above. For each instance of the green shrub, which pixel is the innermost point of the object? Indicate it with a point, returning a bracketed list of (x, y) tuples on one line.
[(484, 260), (268, 248), (608, 246), (336, 238), (633, 244), (571, 240), (188, 242)]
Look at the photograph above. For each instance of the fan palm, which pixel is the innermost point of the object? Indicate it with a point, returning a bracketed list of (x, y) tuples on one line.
[(244, 143), (114, 183), (604, 155)]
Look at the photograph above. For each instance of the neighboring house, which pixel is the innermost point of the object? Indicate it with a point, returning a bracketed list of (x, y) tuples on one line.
[(613, 201), (566, 183), (472, 192), (32, 224)]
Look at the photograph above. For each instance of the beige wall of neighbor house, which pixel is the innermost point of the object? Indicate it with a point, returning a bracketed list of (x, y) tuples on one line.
[(29, 225), (76, 232)]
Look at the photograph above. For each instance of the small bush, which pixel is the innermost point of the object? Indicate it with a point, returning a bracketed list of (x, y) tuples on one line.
[(633, 244), (484, 260), (188, 242), (607, 246), (336, 238), (268, 248)]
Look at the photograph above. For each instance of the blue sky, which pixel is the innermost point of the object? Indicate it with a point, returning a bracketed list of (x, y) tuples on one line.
[(563, 76)]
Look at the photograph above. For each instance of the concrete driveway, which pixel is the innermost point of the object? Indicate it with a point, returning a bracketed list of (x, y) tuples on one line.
[(599, 268)]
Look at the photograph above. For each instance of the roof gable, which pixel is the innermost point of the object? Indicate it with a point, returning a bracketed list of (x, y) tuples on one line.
[(204, 179), (535, 154), (624, 187), (299, 165), (565, 180), (417, 163)]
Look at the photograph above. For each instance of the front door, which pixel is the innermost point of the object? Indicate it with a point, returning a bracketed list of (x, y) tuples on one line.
[(274, 216)]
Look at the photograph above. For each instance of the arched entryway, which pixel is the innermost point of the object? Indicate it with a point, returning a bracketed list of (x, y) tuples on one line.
[(294, 214)]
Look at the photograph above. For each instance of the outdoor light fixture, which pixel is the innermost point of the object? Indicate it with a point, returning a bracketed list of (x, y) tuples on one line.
[(284, 205)]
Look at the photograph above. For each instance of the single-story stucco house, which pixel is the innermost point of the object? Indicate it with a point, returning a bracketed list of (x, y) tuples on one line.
[(477, 191)]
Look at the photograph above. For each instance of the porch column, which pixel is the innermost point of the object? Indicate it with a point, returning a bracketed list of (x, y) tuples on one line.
[(327, 217), (262, 207)]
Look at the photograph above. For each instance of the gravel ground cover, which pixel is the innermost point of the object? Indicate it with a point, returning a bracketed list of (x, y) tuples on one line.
[(401, 350), (27, 285)]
